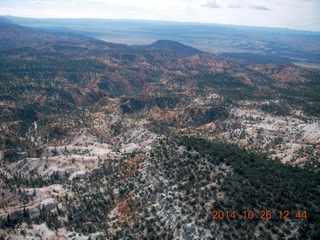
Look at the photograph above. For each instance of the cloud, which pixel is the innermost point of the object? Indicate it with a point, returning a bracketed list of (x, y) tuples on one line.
[(35, 2), (261, 7), (234, 4), (211, 4), (80, 3)]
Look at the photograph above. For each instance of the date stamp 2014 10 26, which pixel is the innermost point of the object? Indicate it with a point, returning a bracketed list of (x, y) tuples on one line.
[(262, 214)]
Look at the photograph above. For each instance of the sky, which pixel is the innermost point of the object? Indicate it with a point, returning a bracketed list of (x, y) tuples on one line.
[(293, 14)]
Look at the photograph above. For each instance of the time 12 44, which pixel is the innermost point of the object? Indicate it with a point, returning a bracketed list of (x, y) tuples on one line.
[(263, 214)]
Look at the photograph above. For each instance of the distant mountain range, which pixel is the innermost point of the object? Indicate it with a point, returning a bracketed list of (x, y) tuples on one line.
[(5, 20), (13, 35), (297, 47)]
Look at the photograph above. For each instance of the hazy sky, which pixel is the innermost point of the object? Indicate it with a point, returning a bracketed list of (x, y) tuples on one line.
[(295, 14)]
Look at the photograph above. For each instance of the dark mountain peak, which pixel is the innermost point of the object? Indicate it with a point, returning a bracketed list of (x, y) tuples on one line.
[(175, 46)]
